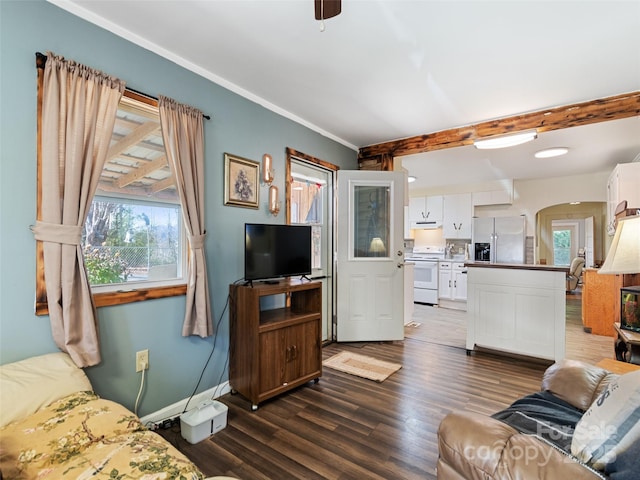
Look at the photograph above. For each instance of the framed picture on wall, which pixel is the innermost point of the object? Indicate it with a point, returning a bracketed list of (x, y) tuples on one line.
[(241, 181)]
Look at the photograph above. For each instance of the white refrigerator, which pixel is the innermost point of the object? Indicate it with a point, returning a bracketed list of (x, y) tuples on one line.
[(499, 239)]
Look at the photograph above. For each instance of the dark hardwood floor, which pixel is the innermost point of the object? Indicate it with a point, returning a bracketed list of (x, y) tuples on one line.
[(345, 427)]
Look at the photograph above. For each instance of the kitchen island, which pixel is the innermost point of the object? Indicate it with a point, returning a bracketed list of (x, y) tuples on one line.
[(517, 309)]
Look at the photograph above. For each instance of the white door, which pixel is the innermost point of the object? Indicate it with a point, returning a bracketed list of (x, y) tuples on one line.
[(370, 256), (588, 242)]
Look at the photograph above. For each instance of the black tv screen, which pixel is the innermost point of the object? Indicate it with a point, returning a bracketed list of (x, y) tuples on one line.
[(274, 251)]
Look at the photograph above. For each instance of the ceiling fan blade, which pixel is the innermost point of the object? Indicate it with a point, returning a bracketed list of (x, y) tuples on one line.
[(327, 8)]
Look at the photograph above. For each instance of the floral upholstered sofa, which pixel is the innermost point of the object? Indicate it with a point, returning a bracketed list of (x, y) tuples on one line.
[(52, 425)]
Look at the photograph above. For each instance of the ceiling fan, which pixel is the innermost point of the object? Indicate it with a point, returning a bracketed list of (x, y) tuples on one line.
[(327, 8)]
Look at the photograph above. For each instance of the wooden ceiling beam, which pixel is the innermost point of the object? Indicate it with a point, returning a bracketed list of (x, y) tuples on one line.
[(162, 184), (134, 137), (169, 195), (578, 114), (141, 171)]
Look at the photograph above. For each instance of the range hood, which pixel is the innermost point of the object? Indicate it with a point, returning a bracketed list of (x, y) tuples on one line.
[(426, 224)]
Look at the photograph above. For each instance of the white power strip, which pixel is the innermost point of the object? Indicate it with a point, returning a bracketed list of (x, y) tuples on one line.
[(176, 409)]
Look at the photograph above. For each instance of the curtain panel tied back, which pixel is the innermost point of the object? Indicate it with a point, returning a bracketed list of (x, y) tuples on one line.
[(183, 136), (79, 106)]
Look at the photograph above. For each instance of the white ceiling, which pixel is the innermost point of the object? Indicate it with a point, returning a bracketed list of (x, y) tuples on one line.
[(389, 69)]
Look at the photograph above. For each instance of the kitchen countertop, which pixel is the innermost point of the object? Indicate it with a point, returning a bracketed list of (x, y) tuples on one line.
[(517, 266)]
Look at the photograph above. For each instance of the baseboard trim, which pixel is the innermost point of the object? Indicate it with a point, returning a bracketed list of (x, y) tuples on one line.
[(176, 409)]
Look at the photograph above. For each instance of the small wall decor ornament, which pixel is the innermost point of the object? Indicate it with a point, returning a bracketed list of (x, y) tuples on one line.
[(274, 204), (241, 181), (267, 169)]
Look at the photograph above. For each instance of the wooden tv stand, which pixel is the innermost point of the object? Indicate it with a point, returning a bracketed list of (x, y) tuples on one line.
[(275, 337)]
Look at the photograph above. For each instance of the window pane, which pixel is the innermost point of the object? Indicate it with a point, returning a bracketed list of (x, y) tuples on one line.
[(306, 202), (561, 247), (316, 246), (307, 206), (371, 221), (131, 242), (134, 230)]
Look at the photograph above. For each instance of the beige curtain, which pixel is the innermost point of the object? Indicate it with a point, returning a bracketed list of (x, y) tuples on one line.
[(79, 108), (183, 136)]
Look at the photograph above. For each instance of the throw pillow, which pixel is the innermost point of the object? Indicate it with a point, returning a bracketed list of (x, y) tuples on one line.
[(626, 465), (611, 424)]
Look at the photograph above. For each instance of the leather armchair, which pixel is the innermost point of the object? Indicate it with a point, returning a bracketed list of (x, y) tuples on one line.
[(474, 446), (575, 270)]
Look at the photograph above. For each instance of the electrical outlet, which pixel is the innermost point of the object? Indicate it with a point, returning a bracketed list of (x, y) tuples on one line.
[(142, 360)]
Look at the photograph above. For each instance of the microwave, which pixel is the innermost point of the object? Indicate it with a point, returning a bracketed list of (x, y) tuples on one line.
[(482, 252)]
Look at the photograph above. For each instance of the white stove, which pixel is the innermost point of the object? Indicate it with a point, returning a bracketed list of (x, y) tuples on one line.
[(425, 284), (426, 253)]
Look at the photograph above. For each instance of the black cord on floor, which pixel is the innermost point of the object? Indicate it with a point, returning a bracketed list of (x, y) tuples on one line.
[(213, 349)]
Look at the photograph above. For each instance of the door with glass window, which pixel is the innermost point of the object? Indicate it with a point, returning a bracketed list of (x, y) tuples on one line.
[(311, 203), (370, 252)]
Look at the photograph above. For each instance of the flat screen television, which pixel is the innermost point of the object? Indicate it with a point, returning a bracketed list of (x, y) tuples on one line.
[(630, 308), (275, 251)]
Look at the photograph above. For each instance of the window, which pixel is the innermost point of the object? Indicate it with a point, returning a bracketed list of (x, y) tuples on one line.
[(134, 232), (134, 241), (561, 246), (306, 208), (126, 241)]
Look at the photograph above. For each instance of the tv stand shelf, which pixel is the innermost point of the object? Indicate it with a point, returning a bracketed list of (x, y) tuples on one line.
[(282, 317), (273, 350)]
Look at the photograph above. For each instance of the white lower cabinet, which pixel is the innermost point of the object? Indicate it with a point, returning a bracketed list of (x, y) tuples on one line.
[(519, 311), (459, 282), (452, 281)]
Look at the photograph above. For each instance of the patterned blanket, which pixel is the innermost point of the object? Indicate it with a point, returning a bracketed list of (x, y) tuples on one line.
[(82, 436)]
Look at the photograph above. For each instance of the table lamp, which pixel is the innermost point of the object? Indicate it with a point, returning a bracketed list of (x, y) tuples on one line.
[(377, 247), (624, 258), (624, 253)]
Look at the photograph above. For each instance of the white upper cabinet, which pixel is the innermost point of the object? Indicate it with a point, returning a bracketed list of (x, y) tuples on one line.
[(457, 214), (425, 212), (499, 196), (623, 184)]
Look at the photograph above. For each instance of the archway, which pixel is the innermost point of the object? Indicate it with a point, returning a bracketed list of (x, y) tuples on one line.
[(587, 237)]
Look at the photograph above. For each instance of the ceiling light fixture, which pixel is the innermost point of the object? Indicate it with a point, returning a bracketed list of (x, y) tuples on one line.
[(411, 179), (504, 141), (551, 152)]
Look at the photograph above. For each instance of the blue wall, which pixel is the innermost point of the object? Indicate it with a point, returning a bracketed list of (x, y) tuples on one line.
[(237, 126)]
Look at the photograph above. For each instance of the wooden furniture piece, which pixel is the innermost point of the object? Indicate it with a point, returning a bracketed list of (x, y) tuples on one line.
[(627, 345), (601, 300), (616, 366), (275, 337)]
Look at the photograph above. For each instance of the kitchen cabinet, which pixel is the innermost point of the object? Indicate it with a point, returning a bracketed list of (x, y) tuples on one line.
[(517, 310), (426, 212), (459, 282), (452, 281), (622, 185), (502, 196), (493, 197), (273, 350), (457, 215)]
